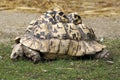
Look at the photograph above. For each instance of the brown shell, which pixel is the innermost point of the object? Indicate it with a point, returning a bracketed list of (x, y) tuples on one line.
[(53, 39), (62, 47)]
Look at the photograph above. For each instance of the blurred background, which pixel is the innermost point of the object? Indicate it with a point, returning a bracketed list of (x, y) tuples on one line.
[(101, 15), (86, 8)]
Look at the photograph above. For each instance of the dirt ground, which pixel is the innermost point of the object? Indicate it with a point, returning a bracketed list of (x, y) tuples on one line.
[(13, 24)]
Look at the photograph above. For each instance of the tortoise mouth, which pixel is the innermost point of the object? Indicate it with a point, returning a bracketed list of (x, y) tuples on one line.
[(14, 58)]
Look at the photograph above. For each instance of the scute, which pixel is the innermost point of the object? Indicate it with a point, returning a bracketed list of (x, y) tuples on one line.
[(30, 42), (35, 44), (73, 48), (58, 31), (98, 47), (81, 49), (42, 32), (72, 31), (54, 46), (64, 46), (88, 48)]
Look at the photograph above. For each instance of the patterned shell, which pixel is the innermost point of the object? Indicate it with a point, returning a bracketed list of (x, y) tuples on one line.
[(56, 33)]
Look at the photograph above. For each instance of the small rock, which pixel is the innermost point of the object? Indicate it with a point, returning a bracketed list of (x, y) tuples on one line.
[(1, 79), (110, 62), (71, 63), (0, 57), (101, 39), (44, 71)]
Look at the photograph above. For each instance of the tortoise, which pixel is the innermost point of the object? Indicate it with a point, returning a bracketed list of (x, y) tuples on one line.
[(74, 18), (57, 39)]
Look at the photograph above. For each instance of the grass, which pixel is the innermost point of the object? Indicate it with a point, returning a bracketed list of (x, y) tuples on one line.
[(61, 69)]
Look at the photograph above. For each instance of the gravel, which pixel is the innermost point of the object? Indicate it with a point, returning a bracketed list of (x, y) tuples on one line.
[(14, 23)]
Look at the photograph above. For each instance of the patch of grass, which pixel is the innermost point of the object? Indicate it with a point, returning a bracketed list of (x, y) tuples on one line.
[(60, 69)]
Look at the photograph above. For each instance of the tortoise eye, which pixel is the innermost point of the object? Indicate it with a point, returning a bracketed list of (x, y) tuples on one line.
[(75, 16), (61, 13)]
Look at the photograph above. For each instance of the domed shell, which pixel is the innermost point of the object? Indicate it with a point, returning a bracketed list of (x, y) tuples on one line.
[(55, 37)]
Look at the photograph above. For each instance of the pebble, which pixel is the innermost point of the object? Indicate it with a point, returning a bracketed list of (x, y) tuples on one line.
[(110, 62), (0, 57)]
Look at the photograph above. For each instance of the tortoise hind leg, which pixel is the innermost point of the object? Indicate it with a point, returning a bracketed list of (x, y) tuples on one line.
[(36, 58), (32, 54), (104, 54)]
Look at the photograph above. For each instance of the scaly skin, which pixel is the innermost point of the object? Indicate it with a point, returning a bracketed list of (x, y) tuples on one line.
[(20, 50)]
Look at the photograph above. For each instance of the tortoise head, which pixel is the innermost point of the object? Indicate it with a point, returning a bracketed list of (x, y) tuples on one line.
[(61, 17), (16, 52), (74, 18), (17, 49)]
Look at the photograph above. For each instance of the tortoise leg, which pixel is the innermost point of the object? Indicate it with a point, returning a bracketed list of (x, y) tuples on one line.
[(32, 54), (104, 54)]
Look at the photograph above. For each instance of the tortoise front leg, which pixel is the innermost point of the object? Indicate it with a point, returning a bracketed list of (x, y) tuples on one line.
[(105, 55), (32, 54)]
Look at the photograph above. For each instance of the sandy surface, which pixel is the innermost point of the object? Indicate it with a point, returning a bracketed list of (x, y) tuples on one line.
[(107, 27), (14, 23)]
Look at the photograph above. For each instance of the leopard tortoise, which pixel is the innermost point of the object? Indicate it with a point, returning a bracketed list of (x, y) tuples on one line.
[(55, 34)]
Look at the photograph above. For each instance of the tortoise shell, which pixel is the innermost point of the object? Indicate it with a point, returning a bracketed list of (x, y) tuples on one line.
[(55, 34)]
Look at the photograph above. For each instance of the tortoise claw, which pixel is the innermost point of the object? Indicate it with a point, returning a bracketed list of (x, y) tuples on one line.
[(109, 62)]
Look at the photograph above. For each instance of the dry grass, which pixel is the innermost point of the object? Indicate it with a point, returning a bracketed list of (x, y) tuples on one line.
[(84, 7)]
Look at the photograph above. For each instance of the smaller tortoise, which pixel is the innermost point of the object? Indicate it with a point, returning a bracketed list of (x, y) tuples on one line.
[(74, 18), (50, 17), (51, 40)]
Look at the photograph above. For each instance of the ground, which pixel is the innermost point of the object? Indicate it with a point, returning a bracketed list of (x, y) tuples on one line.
[(102, 16), (14, 24)]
